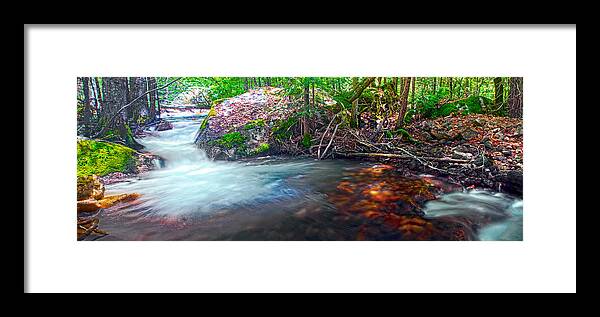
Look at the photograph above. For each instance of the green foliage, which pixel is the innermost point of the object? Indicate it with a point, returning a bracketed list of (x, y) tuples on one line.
[(219, 87), (429, 106), (262, 148), (404, 134), (80, 106), (470, 105), (231, 140), (226, 87), (254, 124), (343, 99), (306, 140), (282, 129), (410, 113), (101, 158)]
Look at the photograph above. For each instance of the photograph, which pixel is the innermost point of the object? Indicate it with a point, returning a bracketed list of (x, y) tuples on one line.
[(294, 158), (299, 158)]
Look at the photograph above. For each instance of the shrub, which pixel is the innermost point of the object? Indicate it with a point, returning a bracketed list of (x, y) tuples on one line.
[(262, 148)]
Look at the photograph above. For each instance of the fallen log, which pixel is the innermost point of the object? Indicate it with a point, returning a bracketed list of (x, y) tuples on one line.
[(401, 156)]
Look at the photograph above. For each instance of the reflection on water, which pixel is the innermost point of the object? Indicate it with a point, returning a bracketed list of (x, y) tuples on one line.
[(193, 198)]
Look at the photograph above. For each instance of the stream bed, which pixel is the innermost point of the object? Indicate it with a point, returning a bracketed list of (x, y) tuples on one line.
[(279, 198)]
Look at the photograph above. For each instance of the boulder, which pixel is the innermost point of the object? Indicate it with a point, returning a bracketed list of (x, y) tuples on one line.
[(512, 182), (246, 125), (164, 125), (88, 205), (89, 187)]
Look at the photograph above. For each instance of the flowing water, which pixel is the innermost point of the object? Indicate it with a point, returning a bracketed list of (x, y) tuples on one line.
[(276, 198)]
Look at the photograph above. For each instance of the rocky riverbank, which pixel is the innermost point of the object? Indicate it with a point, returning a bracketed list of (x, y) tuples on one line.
[(477, 151), (90, 201), (115, 163)]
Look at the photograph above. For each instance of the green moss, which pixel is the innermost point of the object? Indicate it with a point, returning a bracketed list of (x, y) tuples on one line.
[(129, 137), (101, 158), (254, 124), (211, 113), (306, 140), (470, 105), (231, 140), (262, 148)]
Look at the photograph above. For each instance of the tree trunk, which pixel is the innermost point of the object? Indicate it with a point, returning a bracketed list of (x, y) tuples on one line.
[(306, 105), (451, 88), (403, 101), (87, 109), (96, 91), (354, 113), (166, 99), (515, 98), (137, 87), (313, 94), (306, 94), (158, 104), (116, 97), (413, 84), (358, 91), (498, 92), (434, 84), (152, 99), (103, 93)]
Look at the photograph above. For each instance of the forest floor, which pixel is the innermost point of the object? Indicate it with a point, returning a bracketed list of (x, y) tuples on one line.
[(473, 150)]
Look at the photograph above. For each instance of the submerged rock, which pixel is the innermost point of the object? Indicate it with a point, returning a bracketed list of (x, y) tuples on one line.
[(164, 125), (112, 200), (92, 205)]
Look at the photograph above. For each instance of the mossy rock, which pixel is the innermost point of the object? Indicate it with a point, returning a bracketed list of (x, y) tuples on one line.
[(210, 114), (231, 140), (101, 158)]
